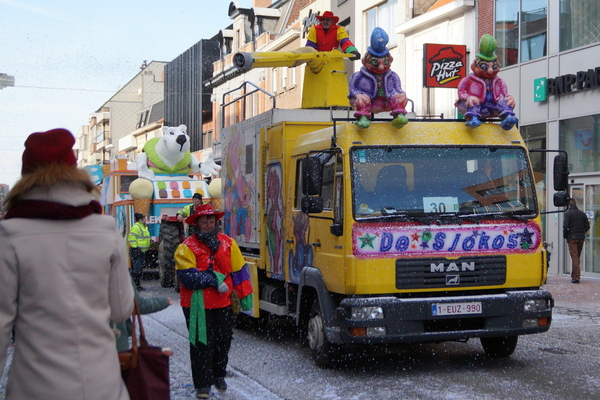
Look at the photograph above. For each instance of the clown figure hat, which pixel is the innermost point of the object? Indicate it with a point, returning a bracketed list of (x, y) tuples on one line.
[(487, 47), (379, 41)]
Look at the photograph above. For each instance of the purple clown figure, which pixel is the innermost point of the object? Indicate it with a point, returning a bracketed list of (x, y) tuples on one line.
[(483, 94), (375, 87)]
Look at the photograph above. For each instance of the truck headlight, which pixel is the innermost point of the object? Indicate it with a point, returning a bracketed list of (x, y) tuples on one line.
[(535, 305), (366, 313)]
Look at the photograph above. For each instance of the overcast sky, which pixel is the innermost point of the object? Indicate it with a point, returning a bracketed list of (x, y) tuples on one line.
[(68, 57)]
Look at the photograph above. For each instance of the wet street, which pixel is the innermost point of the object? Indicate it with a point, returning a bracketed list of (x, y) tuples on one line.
[(270, 364)]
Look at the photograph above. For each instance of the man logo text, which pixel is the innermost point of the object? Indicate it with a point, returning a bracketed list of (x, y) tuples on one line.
[(452, 267)]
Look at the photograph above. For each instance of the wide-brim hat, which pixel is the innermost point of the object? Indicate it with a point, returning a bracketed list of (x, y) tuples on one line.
[(328, 14), (203, 209)]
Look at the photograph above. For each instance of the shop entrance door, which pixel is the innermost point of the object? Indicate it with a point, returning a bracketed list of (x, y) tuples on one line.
[(587, 194)]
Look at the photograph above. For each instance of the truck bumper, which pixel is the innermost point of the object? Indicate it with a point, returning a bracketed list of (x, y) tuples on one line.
[(404, 320)]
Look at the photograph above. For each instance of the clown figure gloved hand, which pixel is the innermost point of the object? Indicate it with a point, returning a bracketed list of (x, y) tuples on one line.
[(376, 88), (483, 94)]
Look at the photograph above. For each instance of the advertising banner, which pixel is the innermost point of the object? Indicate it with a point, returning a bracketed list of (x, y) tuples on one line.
[(444, 64)]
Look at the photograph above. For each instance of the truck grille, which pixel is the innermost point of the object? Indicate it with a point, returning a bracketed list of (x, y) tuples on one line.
[(445, 273)]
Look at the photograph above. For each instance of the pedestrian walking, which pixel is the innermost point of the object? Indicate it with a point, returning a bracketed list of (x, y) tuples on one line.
[(64, 275), (575, 226), (139, 242), (209, 267)]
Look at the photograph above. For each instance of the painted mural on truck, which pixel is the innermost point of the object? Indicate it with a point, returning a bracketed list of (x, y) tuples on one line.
[(237, 191), (275, 220)]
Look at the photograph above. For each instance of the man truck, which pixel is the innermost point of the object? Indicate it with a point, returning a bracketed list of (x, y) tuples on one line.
[(428, 233)]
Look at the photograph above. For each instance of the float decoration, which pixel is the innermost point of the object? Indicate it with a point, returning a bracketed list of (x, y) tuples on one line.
[(375, 87), (482, 94), (170, 155)]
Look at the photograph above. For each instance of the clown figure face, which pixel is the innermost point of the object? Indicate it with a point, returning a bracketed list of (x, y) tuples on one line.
[(485, 69), (377, 65)]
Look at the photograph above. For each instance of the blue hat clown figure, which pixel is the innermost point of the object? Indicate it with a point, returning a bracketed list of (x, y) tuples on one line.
[(483, 94), (375, 87)]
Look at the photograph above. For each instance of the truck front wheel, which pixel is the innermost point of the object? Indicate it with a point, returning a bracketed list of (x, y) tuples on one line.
[(324, 352), (499, 346)]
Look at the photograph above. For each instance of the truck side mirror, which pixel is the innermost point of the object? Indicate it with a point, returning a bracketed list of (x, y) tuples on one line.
[(336, 229), (311, 176), (312, 205), (560, 198), (561, 172)]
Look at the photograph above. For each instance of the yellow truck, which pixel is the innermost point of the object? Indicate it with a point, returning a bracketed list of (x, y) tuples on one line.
[(427, 233)]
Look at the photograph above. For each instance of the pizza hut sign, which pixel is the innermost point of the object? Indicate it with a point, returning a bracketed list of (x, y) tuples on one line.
[(444, 64)]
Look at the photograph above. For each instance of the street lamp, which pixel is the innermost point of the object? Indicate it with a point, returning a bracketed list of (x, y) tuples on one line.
[(6, 80)]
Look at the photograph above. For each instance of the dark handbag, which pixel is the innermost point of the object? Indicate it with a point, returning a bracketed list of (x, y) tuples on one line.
[(145, 368)]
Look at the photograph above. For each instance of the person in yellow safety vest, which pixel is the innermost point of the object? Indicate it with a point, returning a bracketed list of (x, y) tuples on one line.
[(189, 210), (139, 242)]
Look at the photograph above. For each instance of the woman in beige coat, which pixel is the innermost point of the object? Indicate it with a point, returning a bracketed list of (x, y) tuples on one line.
[(64, 277)]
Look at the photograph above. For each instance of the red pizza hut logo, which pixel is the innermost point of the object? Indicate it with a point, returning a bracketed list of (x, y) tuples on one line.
[(445, 65)]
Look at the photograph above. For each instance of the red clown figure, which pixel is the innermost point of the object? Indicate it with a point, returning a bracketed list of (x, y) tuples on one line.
[(327, 36), (375, 87), (483, 94)]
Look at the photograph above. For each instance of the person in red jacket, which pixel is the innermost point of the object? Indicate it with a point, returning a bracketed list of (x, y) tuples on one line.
[(327, 36), (209, 267)]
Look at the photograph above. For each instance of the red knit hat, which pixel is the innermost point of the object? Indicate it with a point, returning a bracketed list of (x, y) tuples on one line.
[(44, 148)]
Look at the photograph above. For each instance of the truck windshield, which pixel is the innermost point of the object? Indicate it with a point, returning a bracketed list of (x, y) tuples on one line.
[(442, 182)]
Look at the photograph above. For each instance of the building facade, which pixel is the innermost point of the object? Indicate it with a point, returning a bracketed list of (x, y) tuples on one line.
[(264, 27), (121, 126), (550, 51), (187, 101)]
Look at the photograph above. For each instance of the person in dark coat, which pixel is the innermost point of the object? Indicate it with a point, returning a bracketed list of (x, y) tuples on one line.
[(148, 305), (575, 227)]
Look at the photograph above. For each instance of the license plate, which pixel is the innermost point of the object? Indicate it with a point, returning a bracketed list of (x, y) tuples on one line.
[(456, 308)]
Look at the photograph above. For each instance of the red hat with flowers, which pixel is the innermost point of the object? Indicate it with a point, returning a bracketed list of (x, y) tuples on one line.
[(45, 148), (204, 209), (328, 14)]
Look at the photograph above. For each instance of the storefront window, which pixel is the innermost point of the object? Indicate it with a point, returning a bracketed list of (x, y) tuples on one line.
[(535, 138), (521, 30), (384, 16), (580, 138), (579, 23)]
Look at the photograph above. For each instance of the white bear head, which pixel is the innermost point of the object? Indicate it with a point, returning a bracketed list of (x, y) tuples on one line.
[(175, 139)]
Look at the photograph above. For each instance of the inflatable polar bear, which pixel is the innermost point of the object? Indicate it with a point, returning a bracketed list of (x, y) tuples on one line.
[(170, 154)]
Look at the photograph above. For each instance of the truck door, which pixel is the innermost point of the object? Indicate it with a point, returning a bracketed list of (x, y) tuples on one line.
[(324, 240)]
